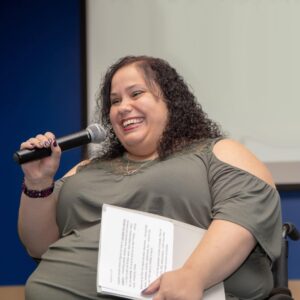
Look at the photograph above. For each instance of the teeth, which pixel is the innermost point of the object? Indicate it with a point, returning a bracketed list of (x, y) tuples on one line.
[(132, 121)]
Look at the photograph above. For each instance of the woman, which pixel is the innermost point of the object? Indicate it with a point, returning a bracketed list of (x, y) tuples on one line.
[(163, 155)]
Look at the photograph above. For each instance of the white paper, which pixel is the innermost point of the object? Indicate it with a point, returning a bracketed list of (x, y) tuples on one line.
[(135, 249)]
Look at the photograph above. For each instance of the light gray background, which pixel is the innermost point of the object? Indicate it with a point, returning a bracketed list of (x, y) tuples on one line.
[(241, 58)]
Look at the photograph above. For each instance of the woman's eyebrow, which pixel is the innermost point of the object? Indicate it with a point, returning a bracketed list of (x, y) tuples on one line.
[(113, 94), (129, 88)]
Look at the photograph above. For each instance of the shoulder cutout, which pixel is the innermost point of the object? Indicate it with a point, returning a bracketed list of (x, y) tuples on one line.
[(237, 155), (74, 169)]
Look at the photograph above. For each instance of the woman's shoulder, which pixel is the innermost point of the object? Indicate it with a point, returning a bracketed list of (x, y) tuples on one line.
[(202, 147), (234, 153), (76, 167)]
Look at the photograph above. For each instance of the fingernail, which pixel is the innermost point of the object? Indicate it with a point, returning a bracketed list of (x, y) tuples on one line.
[(41, 144), (54, 143), (46, 144)]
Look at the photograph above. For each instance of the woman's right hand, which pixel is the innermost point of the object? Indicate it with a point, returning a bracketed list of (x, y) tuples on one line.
[(40, 173)]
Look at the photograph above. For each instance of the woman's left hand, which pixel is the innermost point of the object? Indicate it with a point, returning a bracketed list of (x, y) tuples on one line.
[(181, 284)]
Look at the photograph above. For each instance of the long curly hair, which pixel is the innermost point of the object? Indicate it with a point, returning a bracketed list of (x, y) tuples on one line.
[(187, 122)]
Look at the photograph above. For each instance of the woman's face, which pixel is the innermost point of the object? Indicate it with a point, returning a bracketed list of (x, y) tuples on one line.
[(138, 115)]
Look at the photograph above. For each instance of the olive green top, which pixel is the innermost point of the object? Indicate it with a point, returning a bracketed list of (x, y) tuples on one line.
[(192, 186)]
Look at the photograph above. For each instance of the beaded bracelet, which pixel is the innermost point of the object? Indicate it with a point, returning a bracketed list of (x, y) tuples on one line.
[(37, 194)]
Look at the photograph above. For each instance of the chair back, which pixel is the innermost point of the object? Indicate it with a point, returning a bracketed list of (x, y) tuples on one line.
[(280, 266)]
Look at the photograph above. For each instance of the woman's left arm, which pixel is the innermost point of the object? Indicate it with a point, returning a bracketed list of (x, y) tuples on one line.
[(224, 247)]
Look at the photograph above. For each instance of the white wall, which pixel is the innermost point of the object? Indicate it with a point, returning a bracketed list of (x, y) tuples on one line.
[(241, 58)]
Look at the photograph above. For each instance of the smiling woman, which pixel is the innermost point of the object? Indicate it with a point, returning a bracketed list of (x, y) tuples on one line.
[(186, 121), (163, 155)]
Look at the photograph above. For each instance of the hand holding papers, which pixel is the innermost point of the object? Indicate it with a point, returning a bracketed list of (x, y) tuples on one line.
[(136, 248)]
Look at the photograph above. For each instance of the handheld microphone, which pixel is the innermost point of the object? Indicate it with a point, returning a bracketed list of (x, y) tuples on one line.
[(94, 133)]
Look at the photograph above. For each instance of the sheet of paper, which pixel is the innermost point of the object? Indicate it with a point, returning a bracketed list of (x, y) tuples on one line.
[(135, 249)]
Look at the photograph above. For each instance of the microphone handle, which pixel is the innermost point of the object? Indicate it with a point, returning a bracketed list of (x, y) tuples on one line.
[(74, 140), (67, 142)]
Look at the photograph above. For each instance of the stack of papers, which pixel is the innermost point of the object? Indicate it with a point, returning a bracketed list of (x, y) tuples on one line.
[(135, 248)]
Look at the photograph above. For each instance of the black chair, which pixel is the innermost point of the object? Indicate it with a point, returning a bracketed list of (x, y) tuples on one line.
[(280, 267)]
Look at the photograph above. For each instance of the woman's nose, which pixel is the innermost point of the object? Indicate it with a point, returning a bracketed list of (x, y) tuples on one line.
[(125, 106)]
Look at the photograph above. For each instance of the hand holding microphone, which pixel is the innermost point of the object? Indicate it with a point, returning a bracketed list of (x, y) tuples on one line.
[(39, 147), (41, 155)]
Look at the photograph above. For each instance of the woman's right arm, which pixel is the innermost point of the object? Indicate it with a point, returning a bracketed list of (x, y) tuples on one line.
[(37, 216)]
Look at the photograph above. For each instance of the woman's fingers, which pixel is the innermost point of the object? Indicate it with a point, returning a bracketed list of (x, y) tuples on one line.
[(179, 284), (43, 141), (50, 136), (152, 288), (40, 141), (55, 149), (41, 170)]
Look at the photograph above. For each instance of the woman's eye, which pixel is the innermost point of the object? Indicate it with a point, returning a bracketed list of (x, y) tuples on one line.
[(136, 93), (114, 101)]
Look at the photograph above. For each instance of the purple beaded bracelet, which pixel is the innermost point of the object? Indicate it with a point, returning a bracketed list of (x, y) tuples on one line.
[(37, 194)]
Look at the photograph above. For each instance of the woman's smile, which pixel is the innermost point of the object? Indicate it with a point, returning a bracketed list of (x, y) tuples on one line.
[(132, 123)]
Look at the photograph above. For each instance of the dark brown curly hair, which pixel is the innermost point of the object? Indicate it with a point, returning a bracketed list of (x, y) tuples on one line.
[(187, 122)]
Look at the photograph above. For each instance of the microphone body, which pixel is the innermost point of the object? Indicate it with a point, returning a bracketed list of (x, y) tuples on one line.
[(92, 134)]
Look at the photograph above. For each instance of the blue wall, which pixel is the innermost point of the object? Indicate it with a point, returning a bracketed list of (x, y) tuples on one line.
[(40, 91)]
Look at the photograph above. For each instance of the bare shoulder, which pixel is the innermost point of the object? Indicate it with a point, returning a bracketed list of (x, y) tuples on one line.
[(236, 154), (74, 169)]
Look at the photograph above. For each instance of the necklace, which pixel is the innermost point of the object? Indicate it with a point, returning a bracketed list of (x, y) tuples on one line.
[(126, 167), (134, 167)]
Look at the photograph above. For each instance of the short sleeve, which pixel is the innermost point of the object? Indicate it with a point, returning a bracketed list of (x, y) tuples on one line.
[(58, 185), (244, 199)]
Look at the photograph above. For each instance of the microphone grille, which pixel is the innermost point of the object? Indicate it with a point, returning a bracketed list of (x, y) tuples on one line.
[(97, 133)]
